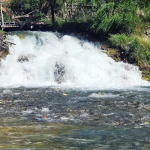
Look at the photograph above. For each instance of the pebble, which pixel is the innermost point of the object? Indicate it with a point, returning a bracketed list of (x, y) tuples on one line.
[(146, 123), (65, 94)]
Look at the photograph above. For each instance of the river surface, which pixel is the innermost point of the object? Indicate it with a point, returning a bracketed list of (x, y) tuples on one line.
[(60, 92), (53, 118)]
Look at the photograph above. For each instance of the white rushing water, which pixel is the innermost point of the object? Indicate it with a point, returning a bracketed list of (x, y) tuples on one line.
[(44, 59)]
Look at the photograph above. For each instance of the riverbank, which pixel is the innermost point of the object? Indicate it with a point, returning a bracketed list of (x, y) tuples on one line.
[(133, 50), (4, 48)]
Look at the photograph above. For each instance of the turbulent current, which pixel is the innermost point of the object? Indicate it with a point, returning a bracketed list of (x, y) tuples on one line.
[(58, 92), (51, 59)]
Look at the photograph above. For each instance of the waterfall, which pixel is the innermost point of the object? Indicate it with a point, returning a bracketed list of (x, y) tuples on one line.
[(49, 59)]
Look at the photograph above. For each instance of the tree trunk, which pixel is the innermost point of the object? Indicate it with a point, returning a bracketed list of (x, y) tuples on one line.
[(53, 2), (53, 14), (64, 10)]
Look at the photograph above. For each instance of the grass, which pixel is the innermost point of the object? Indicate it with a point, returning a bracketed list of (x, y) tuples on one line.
[(135, 48)]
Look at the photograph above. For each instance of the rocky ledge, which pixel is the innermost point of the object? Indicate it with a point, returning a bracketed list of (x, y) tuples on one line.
[(4, 46)]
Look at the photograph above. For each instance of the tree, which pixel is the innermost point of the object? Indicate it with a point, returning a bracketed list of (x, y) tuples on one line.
[(116, 17), (53, 4)]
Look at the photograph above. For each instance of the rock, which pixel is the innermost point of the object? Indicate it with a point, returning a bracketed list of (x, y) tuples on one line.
[(147, 32), (104, 47), (136, 102), (111, 52), (23, 59), (59, 73), (146, 123), (21, 36), (140, 13), (65, 94), (26, 58), (4, 48)]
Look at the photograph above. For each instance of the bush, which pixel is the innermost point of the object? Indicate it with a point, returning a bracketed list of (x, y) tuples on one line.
[(116, 18), (120, 41), (135, 48)]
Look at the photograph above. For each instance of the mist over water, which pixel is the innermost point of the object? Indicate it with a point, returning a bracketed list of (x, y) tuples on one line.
[(48, 59)]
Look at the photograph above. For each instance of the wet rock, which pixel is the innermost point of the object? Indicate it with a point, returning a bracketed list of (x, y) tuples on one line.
[(146, 123), (147, 32), (21, 36), (4, 46), (22, 59), (59, 73), (65, 94)]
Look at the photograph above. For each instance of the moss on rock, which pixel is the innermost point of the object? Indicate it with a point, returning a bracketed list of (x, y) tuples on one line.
[(111, 52), (21, 36)]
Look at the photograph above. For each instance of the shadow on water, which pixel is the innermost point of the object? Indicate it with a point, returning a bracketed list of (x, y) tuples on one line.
[(53, 118)]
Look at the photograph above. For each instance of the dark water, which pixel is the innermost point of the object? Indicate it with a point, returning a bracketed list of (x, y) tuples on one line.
[(52, 118)]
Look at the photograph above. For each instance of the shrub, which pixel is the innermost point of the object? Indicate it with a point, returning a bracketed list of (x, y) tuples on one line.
[(116, 18), (135, 48)]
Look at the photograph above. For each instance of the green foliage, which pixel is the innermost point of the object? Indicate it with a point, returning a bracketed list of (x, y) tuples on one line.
[(120, 41), (143, 3), (78, 27), (1, 31), (144, 13), (115, 18), (134, 48), (24, 6), (44, 7)]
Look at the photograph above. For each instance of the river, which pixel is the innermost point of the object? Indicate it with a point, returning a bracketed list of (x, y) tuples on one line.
[(63, 92)]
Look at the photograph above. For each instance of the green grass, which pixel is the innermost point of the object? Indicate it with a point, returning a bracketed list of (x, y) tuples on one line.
[(135, 48)]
